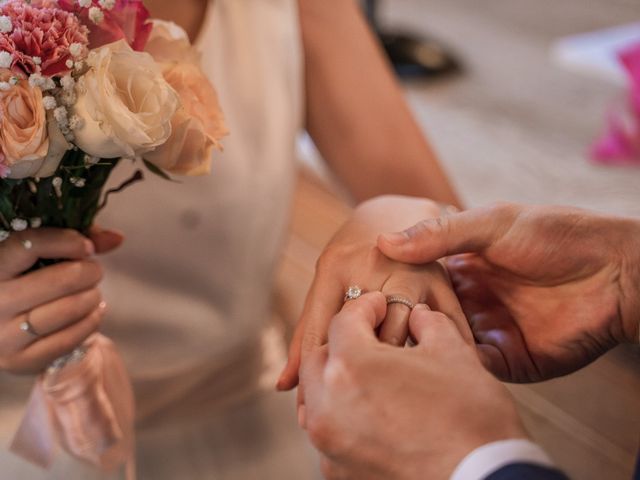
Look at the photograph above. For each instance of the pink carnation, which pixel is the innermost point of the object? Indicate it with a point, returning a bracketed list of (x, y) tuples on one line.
[(128, 20), (41, 31)]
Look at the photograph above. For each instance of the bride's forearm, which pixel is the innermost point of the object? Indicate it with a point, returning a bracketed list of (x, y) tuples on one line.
[(356, 111)]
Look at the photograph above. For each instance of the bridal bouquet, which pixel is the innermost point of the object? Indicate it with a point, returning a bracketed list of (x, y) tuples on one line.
[(84, 85)]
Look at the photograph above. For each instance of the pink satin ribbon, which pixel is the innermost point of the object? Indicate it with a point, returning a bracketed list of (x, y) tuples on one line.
[(87, 407), (620, 144)]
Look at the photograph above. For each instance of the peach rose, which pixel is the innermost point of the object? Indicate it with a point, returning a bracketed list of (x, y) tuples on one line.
[(169, 43), (25, 132), (198, 124)]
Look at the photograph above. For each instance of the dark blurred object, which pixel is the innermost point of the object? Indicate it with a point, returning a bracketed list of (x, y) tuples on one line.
[(412, 56)]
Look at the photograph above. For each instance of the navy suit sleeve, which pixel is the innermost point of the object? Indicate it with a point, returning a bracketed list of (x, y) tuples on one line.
[(524, 471)]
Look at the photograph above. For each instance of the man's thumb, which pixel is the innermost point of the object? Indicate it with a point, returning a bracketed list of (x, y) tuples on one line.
[(467, 232)]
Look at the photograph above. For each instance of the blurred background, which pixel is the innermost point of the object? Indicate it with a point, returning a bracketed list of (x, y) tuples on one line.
[(515, 121)]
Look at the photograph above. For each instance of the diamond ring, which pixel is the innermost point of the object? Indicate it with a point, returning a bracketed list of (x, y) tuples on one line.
[(352, 293)]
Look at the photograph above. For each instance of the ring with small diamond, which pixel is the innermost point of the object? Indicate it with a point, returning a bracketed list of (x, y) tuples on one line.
[(352, 293), (27, 244), (27, 327), (397, 299)]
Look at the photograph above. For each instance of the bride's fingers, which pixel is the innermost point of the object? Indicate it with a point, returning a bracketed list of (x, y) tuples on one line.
[(404, 289), (46, 285), (43, 352), (48, 319), (395, 328), (23, 249), (323, 301), (289, 377)]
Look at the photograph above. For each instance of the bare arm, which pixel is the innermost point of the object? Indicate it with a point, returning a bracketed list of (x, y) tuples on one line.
[(356, 111)]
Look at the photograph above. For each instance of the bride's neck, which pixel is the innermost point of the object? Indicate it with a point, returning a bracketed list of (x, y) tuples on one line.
[(189, 14)]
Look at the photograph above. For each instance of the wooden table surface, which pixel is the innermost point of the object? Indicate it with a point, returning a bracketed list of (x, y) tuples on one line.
[(516, 127)]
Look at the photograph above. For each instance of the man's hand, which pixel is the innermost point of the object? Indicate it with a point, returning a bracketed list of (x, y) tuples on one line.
[(546, 289), (378, 412)]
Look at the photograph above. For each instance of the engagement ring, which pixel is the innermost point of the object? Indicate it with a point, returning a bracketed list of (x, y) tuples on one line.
[(26, 326), (353, 292)]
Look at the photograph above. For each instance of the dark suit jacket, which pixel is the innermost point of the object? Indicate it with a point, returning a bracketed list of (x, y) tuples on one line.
[(523, 471)]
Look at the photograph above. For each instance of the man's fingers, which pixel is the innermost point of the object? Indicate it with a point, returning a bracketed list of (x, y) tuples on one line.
[(105, 240), (23, 249), (434, 330), (395, 328), (312, 378), (356, 324), (470, 231)]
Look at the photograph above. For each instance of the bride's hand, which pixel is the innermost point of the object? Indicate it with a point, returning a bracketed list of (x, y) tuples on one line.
[(352, 259), (60, 304)]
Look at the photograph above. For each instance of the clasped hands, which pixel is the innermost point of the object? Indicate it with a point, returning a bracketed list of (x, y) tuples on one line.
[(525, 294)]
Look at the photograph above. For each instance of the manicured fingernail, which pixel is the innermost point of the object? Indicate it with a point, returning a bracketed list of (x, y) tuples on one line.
[(302, 416), (398, 238)]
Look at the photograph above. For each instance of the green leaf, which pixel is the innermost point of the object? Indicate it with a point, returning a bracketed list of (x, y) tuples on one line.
[(158, 171)]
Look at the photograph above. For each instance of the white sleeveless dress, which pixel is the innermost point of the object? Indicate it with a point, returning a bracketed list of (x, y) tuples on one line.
[(189, 293)]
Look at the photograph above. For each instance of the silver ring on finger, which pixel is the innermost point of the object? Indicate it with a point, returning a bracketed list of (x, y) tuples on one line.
[(26, 326), (391, 299)]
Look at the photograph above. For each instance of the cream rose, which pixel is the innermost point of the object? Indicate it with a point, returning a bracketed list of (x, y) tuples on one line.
[(125, 104), (198, 124)]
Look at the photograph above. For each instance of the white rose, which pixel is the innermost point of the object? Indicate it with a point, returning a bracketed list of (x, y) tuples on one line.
[(125, 103)]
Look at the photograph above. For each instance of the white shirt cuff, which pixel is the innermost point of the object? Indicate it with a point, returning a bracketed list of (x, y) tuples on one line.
[(490, 458)]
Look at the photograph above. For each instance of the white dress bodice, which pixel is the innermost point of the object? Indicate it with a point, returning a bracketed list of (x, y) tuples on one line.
[(189, 291)]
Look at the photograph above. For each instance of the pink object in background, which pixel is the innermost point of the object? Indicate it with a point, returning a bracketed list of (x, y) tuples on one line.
[(87, 407), (620, 145)]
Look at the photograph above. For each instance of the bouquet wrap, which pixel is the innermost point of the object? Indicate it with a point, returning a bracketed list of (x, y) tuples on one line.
[(86, 406)]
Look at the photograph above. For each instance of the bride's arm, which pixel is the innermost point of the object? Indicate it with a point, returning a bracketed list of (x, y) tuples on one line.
[(356, 111)]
